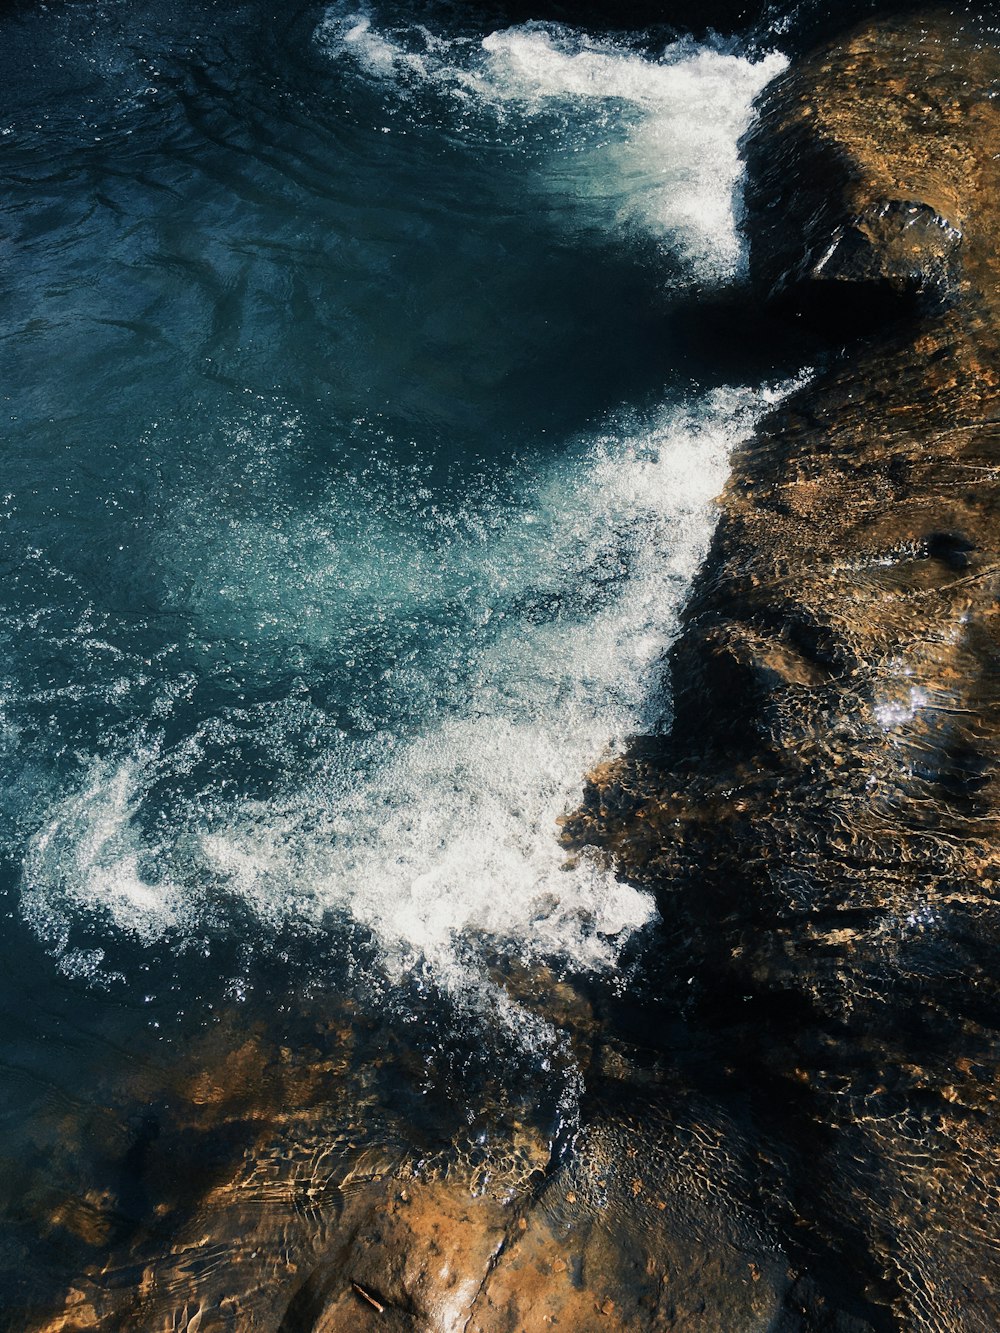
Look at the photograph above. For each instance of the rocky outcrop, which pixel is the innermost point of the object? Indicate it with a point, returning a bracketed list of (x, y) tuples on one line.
[(858, 197), (822, 826)]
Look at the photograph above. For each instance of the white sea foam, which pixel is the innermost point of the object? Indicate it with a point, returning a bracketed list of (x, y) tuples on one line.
[(85, 861), (438, 839), (649, 143)]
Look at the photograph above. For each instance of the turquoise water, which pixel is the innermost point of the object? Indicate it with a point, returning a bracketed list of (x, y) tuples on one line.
[(362, 428), (350, 491)]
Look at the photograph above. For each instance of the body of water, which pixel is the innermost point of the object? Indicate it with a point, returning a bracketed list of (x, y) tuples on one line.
[(362, 429)]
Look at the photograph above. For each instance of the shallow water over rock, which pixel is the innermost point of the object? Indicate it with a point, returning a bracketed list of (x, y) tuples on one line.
[(821, 827)]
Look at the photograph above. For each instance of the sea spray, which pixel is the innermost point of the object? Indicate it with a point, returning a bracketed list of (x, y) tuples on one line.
[(364, 703), (635, 141), (447, 836)]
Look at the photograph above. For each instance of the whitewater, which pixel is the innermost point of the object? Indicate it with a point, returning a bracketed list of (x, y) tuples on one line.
[(451, 658)]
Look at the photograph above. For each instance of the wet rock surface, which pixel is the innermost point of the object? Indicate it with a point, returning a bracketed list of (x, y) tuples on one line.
[(791, 1124), (821, 826), (285, 1188)]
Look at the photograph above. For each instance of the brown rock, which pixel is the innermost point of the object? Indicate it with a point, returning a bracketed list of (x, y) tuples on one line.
[(822, 827)]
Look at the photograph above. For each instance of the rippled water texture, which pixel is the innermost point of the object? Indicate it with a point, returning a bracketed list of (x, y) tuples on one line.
[(358, 456)]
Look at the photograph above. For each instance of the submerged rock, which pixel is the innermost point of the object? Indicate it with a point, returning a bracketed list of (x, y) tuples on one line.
[(858, 194)]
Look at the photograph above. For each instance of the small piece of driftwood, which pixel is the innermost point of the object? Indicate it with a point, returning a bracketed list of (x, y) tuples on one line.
[(366, 1296)]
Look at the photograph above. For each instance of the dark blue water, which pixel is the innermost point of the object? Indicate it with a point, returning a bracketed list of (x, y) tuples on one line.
[(359, 448)]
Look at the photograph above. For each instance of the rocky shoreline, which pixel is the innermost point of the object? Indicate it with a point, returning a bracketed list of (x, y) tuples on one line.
[(793, 1126), (821, 825)]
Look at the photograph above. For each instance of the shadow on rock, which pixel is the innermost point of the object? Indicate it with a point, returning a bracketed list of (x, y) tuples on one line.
[(821, 825)]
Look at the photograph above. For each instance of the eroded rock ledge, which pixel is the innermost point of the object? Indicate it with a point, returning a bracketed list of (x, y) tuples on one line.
[(821, 826)]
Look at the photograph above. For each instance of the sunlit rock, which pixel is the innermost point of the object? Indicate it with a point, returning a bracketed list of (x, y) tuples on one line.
[(822, 827)]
